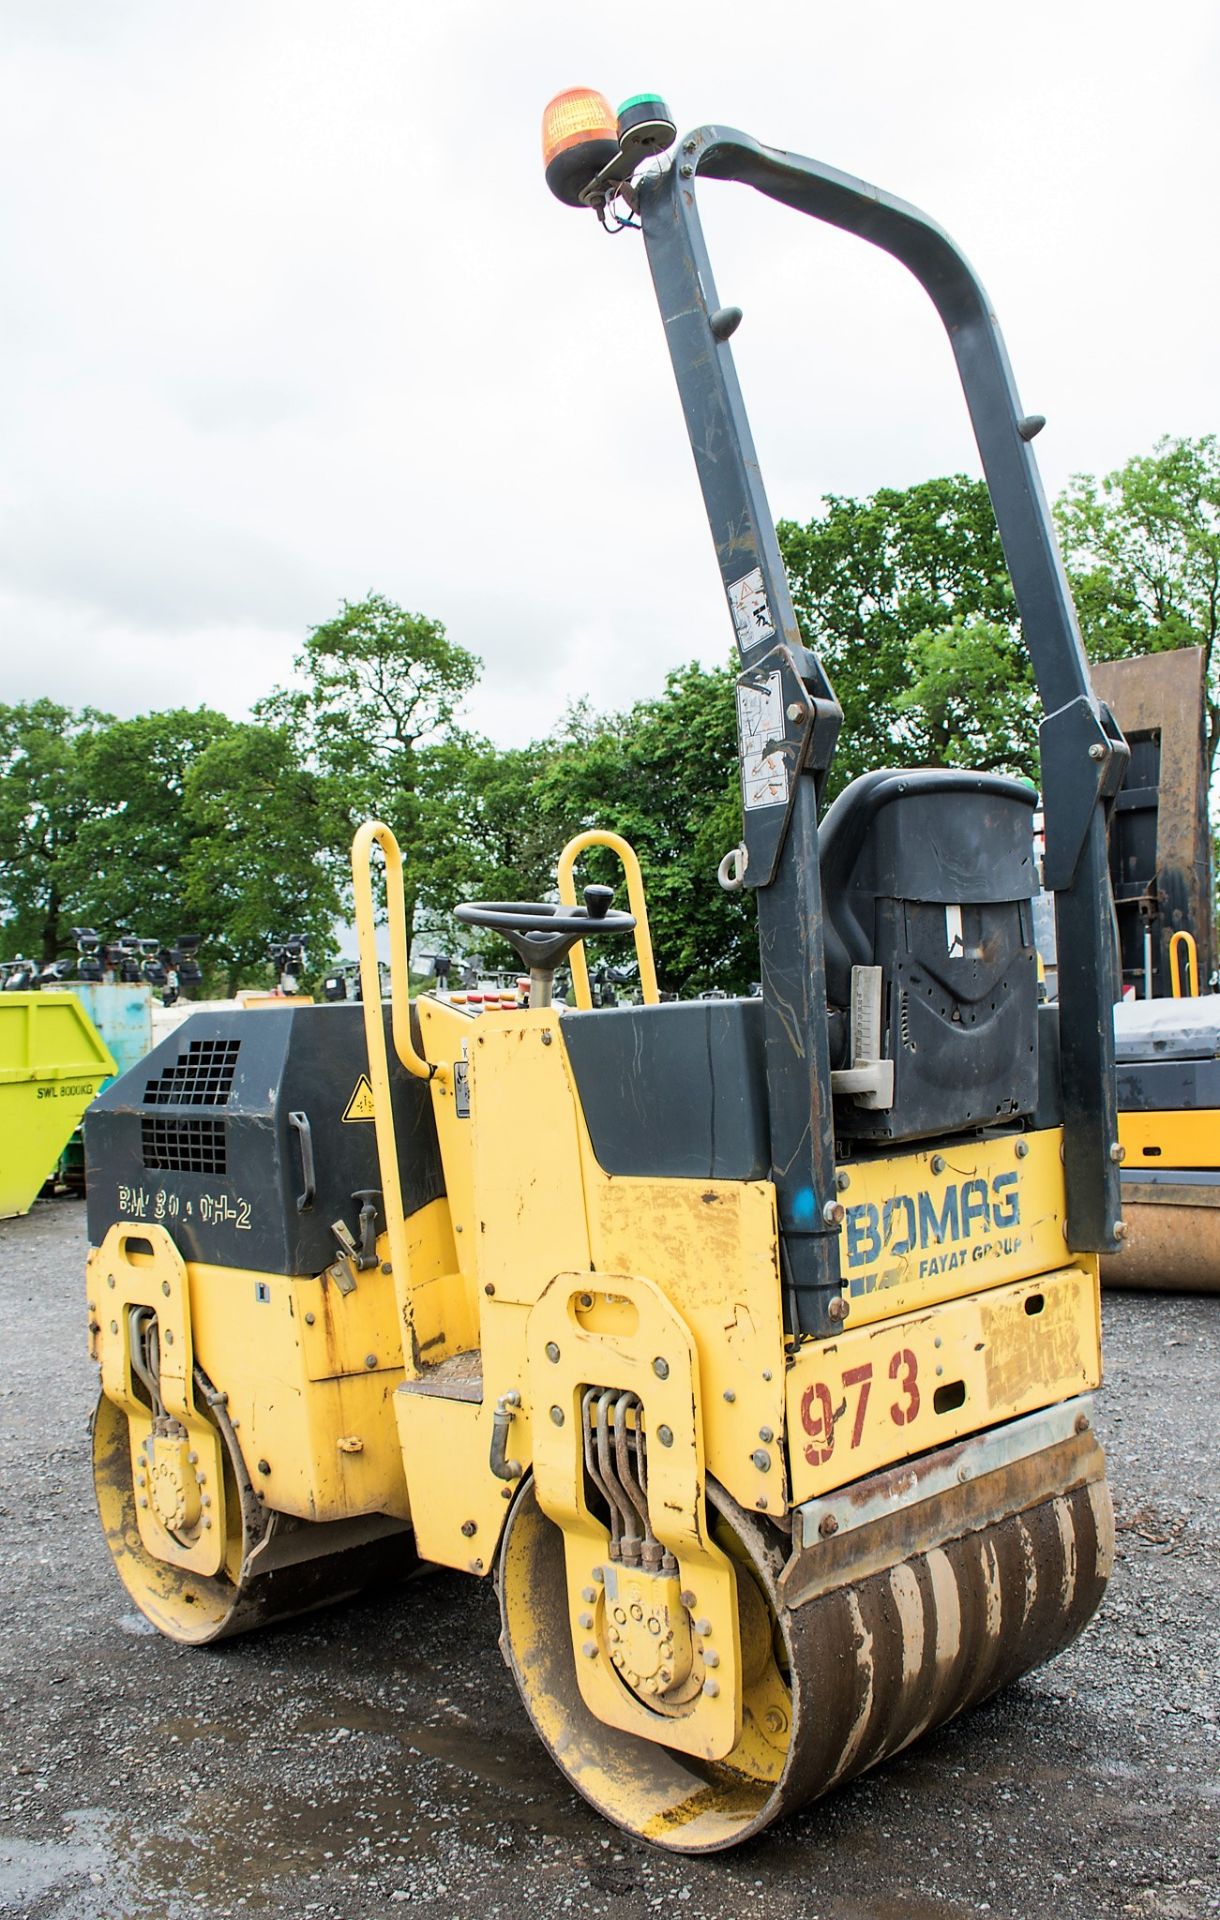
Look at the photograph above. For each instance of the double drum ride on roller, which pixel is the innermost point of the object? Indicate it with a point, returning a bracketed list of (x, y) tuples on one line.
[(748, 1344)]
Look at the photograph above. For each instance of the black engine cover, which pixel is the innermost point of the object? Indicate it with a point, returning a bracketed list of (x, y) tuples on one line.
[(197, 1137)]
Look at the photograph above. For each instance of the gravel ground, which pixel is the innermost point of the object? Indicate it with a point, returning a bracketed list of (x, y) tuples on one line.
[(376, 1759)]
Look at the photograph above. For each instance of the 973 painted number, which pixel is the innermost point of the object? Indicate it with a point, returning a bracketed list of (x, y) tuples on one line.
[(820, 1418)]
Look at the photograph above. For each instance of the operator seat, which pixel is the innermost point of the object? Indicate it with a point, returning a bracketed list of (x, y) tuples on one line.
[(928, 874)]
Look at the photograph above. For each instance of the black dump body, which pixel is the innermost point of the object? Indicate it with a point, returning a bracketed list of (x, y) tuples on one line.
[(198, 1138)]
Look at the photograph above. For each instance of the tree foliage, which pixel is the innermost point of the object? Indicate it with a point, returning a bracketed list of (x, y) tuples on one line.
[(182, 820), (885, 590), (1142, 547)]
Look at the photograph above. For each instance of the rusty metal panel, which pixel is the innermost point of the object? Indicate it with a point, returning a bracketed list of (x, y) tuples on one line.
[(1159, 701)]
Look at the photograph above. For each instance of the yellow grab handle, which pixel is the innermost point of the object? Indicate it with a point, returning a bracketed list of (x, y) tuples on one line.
[(1192, 963), (635, 897), (374, 832)]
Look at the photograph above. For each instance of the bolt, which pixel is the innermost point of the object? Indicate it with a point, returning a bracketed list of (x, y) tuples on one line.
[(506, 1493), (710, 1657), (761, 1502), (309, 1319), (370, 1359), (666, 1676), (711, 1687), (552, 1351), (547, 1039), (666, 1436), (200, 1479), (838, 1309), (963, 1474), (938, 1163), (661, 1368), (557, 1416), (832, 1213), (939, 1371), (1082, 1423), (703, 1627), (114, 1326), (688, 146), (165, 1288), (264, 1466), (168, 1336), (92, 1306), (489, 1290), (109, 1279), (599, 1573), (620, 1614), (192, 1458), (140, 1480), (1022, 1149), (614, 1636), (585, 1302), (797, 710), (765, 1434), (469, 1529), (1120, 1229), (651, 1684), (143, 1502), (386, 1267), (586, 1620), (589, 1594), (686, 172), (842, 1181), (1117, 1154), (590, 1649), (827, 1525), (205, 1500), (774, 1720), (729, 1395), (687, 1598), (766, 1373), (761, 1459), (1097, 751)]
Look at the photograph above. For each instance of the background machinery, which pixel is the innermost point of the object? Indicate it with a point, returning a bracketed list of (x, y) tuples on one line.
[(1167, 1028), (747, 1343)]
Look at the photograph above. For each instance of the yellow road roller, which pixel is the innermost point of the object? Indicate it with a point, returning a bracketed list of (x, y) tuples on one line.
[(748, 1345)]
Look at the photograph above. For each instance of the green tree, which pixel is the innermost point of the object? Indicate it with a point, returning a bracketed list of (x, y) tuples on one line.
[(126, 864), (664, 774), (45, 802), (482, 833), (885, 589), (1142, 548), (377, 685), (258, 824)]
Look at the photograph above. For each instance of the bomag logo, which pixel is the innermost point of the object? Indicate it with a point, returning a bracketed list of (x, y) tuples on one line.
[(966, 1220)]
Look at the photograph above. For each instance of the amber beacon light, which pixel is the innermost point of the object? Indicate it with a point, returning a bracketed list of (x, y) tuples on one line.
[(579, 138)]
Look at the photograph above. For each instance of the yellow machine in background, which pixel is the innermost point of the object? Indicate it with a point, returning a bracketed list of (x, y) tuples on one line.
[(747, 1343)]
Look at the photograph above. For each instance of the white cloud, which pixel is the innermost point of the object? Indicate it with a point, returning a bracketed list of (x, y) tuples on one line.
[(291, 315)]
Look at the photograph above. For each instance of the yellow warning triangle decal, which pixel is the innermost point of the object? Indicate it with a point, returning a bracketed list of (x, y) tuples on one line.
[(360, 1106)]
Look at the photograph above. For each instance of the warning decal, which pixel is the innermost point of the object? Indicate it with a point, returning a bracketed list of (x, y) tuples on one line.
[(751, 610), (360, 1106), (760, 720)]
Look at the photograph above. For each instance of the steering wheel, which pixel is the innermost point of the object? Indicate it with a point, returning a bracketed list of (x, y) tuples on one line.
[(541, 932)]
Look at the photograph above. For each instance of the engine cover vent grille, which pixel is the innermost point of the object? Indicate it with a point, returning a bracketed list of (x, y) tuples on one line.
[(190, 1145), (200, 1077)]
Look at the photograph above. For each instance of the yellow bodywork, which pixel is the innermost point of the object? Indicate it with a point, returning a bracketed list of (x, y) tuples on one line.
[(1171, 1138), (939, 1253), (428, 1387)]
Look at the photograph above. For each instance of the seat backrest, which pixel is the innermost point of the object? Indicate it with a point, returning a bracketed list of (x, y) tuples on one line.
[(928, 874)]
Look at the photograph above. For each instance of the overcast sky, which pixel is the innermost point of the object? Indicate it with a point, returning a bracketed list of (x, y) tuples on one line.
[(290, 316)]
